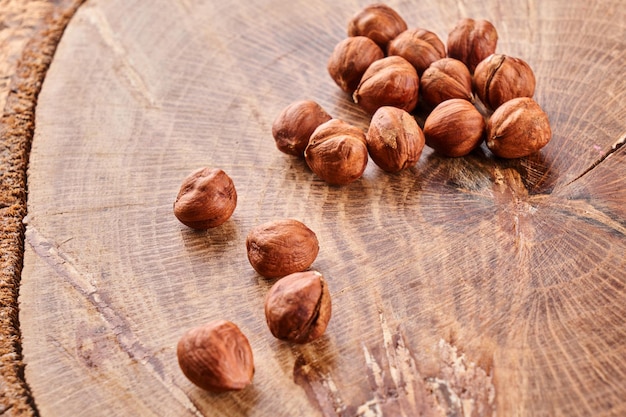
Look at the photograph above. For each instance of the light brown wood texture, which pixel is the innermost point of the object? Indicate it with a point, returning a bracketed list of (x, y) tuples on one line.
[(29, 33), (462, 287)]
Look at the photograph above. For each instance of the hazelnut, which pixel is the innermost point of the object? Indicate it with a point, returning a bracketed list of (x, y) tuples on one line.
[(281, 247), (391, 81), (445, 79), (471, 41), (216, 357), (207, 198), (394, 139), (418, 46), (378, 22), (298, 307), (499, 78), (349, 60), (518, 128), (454, 128), (337, 152), (293, 127)]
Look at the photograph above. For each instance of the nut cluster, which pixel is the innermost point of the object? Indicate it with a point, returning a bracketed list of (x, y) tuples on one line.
[(388, 69), (385, 64)]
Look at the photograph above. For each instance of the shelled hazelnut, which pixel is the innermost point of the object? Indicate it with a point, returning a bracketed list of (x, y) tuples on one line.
[(350, 59), (454, 128), (298, 307), (500, 78), (293, 127), (445, 79), (518, 128), (378, 22), (391, 81), (394, 139), (216, 357), (471, 41), (420, 47), (206, 199), (281, 247), (337, 152)]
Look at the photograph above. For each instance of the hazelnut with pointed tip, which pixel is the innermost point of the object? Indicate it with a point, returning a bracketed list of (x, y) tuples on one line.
[(518, 128), (445, 79), (394, 139), (216, 357)]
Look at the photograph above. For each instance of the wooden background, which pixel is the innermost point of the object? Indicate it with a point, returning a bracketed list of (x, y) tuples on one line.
[(464, 287)]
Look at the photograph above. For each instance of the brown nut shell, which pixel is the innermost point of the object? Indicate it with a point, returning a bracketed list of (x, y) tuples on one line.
[(281, 247), (216, 357), (391, 81), (394, 139), (454, 128), (471, 41), (350, 59), (378, 22), (293, 127), (337, 152), (518, 128), (206, 199), (500, 78), (298, 307), (446, 79), (418, 46)]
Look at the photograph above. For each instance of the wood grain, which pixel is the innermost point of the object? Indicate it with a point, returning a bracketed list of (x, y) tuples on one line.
[(29, 33), (468, 287)]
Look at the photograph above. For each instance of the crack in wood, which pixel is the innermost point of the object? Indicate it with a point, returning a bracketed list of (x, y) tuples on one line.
[(437, 383), (614, 148)]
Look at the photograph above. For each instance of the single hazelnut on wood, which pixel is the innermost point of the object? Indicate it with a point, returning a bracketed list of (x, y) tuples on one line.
[(454, 128), (350, 59), (518, 128), (394, 139), (418, 46), (471, 41), (391, 81), (293, 127), (216, 357), (298, 307), (281, 247), (445, 79), (337, 152), (499, 78), (207, 198), (378, 22)]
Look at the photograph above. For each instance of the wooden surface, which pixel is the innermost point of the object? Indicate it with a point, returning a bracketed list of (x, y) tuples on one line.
[(29, 33), (462, 287)]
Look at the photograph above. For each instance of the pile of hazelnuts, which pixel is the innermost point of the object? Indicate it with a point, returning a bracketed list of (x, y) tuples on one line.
[(471, 94), (386, 68)]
